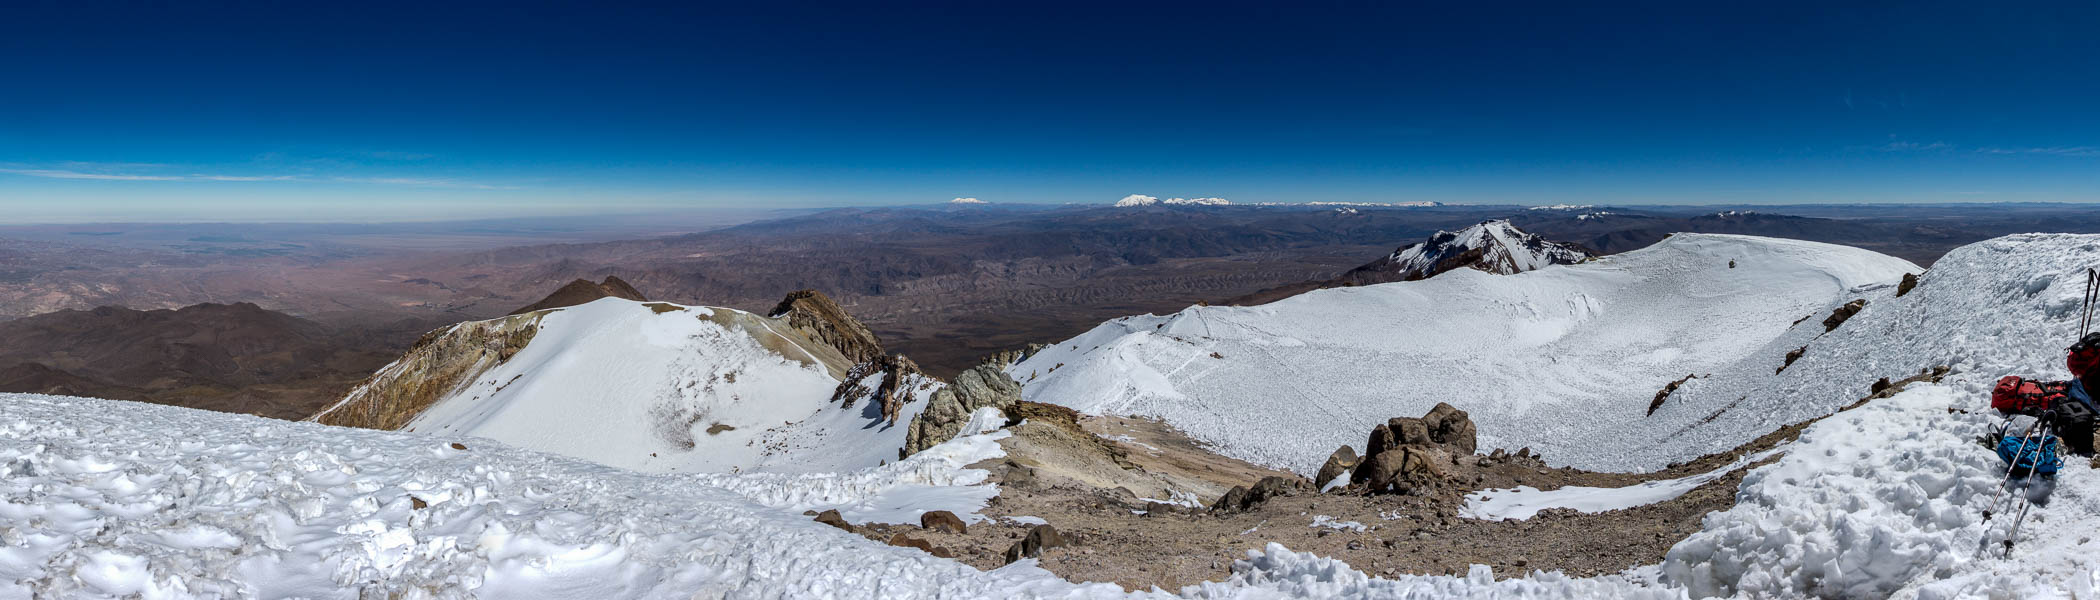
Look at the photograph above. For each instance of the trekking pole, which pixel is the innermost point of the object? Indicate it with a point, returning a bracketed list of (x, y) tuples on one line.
[(2006, 480), (2092, 293), (2002, 497), (2014, 533)]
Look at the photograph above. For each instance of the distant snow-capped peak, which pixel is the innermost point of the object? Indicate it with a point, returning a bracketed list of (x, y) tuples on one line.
[(967, 201), (1494, 246), (1134, 200)]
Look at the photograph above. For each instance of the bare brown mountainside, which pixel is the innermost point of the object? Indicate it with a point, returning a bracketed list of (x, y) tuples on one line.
[(581, 291), (227, 357), (947, 287)]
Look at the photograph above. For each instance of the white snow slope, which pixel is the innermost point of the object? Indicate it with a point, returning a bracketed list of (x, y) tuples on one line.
[(1540, 359), (625, 384), (2006, 306)]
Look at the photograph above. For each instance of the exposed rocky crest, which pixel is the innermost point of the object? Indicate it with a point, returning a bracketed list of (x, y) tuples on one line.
[(582, 291), (820, 318), (898, 377), (981, 386), (435, 366)]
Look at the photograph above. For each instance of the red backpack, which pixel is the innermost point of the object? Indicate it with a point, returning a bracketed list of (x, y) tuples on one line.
[(2084, 355), (2014, 395)]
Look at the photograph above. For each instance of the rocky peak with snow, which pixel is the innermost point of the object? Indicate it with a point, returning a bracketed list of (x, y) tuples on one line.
[(1493, 246)]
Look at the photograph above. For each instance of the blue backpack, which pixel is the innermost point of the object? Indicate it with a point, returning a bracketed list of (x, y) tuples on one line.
[(2029, 455)]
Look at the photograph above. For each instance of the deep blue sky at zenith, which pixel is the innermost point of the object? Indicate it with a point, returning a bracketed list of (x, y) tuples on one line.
[(178, 110)]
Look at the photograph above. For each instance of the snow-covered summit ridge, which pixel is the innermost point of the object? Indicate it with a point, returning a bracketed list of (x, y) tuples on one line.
[(1540, 358), (1494, 246)]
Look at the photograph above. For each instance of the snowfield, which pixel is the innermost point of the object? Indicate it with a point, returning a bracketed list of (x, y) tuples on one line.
[(662, 387), (2005, 306), (108, 499), (1539, 359)]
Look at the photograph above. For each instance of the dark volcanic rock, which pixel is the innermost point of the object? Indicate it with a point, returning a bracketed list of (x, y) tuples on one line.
[(582, 292), (1843, 313), (1672, 388), (1790, 358), (1910, 282)]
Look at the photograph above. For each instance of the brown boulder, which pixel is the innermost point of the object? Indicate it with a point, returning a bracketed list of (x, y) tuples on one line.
[(944, 521), (1039, 538), (832, 518), (1910, 281), (1243, 499), (1410, 432), (1452, 427), (1401, 470), (1338, 464), (1382, 439)]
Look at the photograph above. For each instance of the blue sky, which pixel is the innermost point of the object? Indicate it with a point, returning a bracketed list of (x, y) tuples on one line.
[(366, 111)]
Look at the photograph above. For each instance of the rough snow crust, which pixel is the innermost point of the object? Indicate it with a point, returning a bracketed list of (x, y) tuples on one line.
[(1539, 359), (624, 384), (1886, 500), (109, 499), (2006, 306)]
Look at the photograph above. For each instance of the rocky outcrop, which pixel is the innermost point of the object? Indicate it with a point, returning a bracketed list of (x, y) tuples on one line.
[(1403, 454), (1242, 498), (1910, 282), (1670, 389), (1031, 546), (1791, 356), (981, 386), (439, 362), (1008, 358), (821, 319), (582, 291), (899, 376), (1843, 313)]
